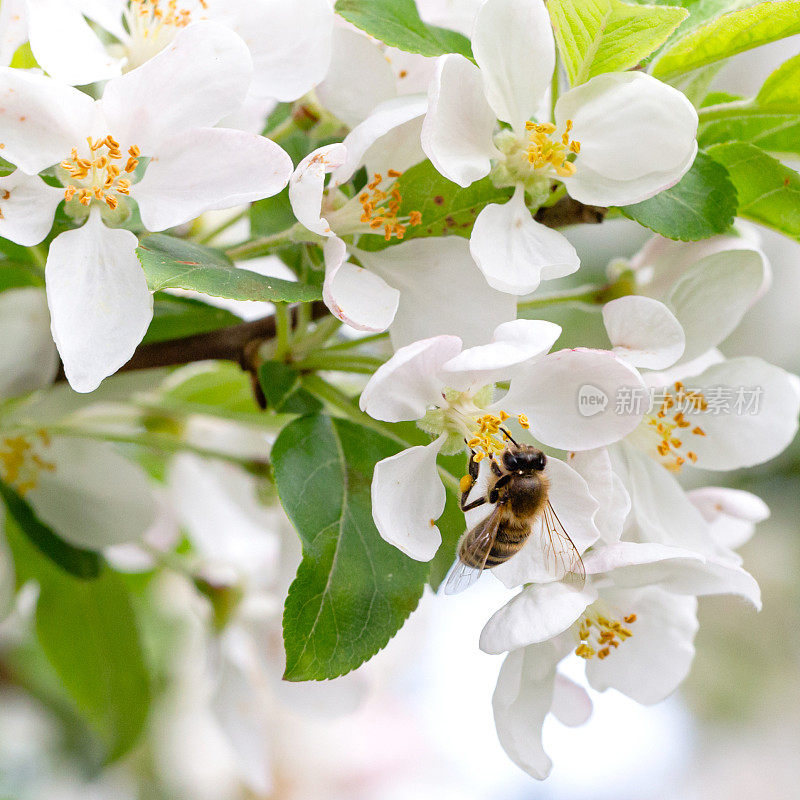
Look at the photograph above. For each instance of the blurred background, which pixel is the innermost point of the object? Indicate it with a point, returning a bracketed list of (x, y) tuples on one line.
[(416, 721)]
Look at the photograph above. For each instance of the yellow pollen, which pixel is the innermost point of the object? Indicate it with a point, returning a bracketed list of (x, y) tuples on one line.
[(487, 429), (98, 177), (597, 634), (153, 14), (20, 463), (667, 424), (381, 207), (544, 152)]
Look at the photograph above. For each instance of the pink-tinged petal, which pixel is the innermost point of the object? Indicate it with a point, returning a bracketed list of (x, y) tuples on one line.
[(421, 269), (65, 46), (41, 120), (521, 701), (345, 92), (94, 497), (27, 208), (290, 44), (514, 252), (575, 508), (513, 344), (408, 383), (652, 663), (752, 416), (514, 47), (384, 119), (571, 398), (100, 305), (712, 296), (361, 299), (307, 184), (216, 168), (458, 128), (407, 499), (536, 614), (637, 137), (28, 358), (572, 705), (194, 82), (643, 331), (594, 466), (732, 513)]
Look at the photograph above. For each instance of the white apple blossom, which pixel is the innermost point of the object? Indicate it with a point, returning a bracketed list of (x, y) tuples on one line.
[(708, 285), (97, 292), (448, 389), (633, 622), (617, 139), (89, 493), (13, 28), (290, 42)]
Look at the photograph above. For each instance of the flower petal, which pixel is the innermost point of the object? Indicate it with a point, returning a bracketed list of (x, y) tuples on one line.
[(541, 559), (94, 497), (594, 466), (407, 498), (652, 663), (422, 270), (521, 701), (344, 92), (290, 44), (27, 207), (360, 298), (571, 703), (192, 83), (644, 332), (732, 513), (409, 382), (13, 28), (65, 45), (307, 184), (569, 398), (536, 614), (458, 128), (100, 305), (752, 417), (216, 169), (513, 344), (514, 251), (384, 119), (41, 120), (28, 358), (637, 137), (712, 296), (514, 47)]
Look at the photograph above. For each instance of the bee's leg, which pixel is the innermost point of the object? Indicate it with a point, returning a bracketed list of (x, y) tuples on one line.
[(468, 481), (474, 504), (495, 467)]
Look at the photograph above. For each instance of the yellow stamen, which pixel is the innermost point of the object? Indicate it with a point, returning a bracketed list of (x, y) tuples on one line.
[(98, 178), (386, 216), (21, 464), (597, 634), (543, 152)]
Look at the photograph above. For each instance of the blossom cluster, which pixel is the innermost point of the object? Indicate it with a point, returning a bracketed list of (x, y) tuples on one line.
[(415, 195)]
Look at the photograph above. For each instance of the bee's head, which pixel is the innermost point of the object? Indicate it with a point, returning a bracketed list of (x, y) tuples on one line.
[(525, 458)]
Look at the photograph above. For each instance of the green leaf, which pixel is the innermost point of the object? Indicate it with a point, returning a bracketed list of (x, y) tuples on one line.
[(776, 133), (283, 390), (782, 87), (596, 36), (89, 633), (769, 192), (84, 564), (353, 591), (701, 204), (446, 208), (398, 24), (171, 263), (728, 35), (179, 317)]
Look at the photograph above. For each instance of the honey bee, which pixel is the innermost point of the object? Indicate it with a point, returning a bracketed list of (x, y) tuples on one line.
[(518, 489)]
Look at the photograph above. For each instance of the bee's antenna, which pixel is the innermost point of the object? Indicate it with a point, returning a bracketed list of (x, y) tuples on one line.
[(508, 435)]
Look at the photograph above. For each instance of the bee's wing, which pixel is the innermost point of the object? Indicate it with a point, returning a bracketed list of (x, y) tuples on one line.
[(477, 544), (559, 550)]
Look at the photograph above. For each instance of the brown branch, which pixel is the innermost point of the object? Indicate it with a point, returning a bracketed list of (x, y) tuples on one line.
[(570, 212)]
